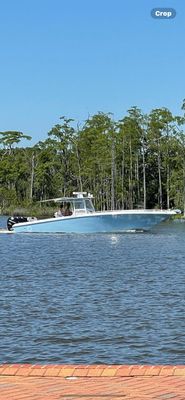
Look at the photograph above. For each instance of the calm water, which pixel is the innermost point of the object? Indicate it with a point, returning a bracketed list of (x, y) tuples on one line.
[(93, 298)]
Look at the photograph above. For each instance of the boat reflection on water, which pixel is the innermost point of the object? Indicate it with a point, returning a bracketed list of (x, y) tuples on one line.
[(82, 218)]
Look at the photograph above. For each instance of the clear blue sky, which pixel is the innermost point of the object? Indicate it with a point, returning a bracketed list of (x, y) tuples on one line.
[(77, 57)]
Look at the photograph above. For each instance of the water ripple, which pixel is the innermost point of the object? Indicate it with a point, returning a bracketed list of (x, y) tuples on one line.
[(93, 299)]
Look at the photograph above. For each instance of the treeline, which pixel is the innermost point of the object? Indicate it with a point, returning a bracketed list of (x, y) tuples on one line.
[(138, 161)]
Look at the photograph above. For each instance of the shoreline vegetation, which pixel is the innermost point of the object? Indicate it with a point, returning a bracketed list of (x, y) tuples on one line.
[(46, 212), (29, 212), (135, 162)]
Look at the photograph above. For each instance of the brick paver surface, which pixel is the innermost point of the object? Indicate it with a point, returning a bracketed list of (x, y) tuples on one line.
[(98, 382)]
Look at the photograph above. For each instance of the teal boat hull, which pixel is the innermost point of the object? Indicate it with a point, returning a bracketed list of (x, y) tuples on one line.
[(105, 222)]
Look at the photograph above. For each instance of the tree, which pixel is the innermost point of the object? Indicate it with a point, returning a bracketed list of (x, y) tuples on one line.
[(63, 136), (131, 134), (10, 138), (96, 144)]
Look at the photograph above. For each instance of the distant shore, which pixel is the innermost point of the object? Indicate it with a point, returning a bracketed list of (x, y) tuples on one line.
[(29, 211), (45, 212)]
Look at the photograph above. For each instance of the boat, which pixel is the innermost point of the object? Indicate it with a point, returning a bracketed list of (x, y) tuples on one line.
[(81, 217)]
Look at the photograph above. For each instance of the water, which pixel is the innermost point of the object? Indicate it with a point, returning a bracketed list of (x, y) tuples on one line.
[(93, 298)]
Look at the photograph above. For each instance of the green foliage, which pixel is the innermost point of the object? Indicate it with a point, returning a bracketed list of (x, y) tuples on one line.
[(7, 197), (10, 138), (136, 161)]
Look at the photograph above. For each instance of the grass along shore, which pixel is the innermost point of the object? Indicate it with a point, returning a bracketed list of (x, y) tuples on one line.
[(44, 211)]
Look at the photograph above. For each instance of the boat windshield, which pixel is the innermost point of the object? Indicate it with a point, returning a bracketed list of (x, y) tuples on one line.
[(79, 204), (89, 205), (82, 206)]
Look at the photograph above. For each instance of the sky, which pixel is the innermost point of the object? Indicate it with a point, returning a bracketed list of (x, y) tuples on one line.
[(78, 57)]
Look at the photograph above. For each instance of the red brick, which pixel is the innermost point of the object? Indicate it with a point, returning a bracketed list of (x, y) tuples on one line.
[(139, 370), (96, 381), (24, 370), (81, 370), (167, 370), (153, 370), (38, 370), (52, 370), (124, 370), (11, 369), (2, 367), (110, 371), (95, 370), (179, 370), (67, 370)]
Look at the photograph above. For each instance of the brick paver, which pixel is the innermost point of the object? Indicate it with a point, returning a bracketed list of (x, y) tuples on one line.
[(95, 382)]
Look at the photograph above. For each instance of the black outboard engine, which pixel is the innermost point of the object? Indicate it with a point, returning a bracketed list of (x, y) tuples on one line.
[(15, 220)]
